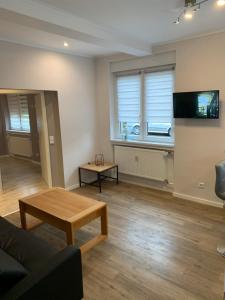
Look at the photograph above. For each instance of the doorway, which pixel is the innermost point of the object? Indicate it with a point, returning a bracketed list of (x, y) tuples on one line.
[(30, 145)]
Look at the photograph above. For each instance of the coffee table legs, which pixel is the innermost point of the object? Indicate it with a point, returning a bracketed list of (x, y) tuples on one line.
[(102, 213), (70, 235), (104, 221), (23, 216)]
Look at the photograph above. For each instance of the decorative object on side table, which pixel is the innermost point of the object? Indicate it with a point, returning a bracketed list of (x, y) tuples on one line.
[(99, 159)]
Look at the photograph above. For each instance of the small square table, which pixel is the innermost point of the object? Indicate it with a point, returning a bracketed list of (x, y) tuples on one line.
[(99, 170)]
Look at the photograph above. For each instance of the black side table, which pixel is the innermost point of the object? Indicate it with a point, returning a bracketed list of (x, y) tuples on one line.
[(99, 170)]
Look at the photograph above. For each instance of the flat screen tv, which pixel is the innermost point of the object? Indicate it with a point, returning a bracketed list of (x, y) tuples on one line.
[(196, 105)]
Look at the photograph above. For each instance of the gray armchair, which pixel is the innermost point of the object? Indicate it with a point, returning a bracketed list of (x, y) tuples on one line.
[(220, 192), (220, 180)]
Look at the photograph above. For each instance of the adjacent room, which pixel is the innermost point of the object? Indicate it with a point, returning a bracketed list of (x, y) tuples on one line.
[(112, 149), (31, 158), (20, 154)]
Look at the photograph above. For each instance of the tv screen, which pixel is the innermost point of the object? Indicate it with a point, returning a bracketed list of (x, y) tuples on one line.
[(196, 105)]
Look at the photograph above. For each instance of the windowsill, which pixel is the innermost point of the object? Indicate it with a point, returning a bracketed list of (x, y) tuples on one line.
[(18, 132), (144, 144)]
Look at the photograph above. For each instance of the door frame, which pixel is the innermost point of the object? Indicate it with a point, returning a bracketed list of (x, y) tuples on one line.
[(45, 159)]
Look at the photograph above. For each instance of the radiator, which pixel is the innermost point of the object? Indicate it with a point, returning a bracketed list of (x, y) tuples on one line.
[(146, 163), (20, 145)]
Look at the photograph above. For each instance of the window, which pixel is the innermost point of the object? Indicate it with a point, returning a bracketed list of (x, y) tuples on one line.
[(129, 104), (144, 108), (18, 113)]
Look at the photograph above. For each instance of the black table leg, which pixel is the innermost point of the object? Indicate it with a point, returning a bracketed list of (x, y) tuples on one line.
[(99, 182), (117, 175), (79, 176)]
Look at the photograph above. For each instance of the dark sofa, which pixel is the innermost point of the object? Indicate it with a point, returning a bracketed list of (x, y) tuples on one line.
[(32, 269)]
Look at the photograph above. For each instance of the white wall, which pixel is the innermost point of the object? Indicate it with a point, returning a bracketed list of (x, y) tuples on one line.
[(74, 79), (200, 65), (103, 94)]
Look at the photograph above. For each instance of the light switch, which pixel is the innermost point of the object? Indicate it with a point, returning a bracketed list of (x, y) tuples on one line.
[(51, 140)]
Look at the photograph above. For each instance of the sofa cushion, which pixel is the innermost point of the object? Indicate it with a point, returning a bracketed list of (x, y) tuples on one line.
[(28, 249), (10, 271)]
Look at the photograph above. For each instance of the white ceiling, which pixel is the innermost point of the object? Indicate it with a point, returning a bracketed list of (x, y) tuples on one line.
[(41, 39), (148, 20), (102, 27)]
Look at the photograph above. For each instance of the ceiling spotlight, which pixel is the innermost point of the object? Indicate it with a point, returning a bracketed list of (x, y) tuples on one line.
[(65, 44), (177, 21), (221, 2), (188, 15)]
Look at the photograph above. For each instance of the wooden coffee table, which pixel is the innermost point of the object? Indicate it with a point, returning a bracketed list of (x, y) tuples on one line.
[(67, 211)]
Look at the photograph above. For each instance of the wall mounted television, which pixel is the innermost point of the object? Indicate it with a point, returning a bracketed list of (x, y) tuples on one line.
[(196, 105)]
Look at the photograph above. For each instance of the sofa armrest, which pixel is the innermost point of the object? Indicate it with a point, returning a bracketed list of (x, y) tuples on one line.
[(60, 278)]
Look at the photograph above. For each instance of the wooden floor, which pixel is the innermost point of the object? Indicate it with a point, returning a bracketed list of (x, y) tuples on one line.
[(20, 178), (158, 248)]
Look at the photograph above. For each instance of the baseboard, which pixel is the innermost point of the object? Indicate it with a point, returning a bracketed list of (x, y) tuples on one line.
[(25, 158), (164, 189), (72, 187), (36, 162), (22, 158), (198, 200)]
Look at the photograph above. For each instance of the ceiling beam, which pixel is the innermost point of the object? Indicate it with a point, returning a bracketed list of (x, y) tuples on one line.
[(49, 19)]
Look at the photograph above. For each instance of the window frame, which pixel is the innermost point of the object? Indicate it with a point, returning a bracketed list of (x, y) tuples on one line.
[(143, 137), (21, 129)]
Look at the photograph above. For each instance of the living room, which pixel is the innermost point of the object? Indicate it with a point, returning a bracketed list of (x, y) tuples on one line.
[(163, 223)]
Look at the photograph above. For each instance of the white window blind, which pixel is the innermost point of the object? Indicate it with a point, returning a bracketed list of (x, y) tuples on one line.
[(158, 97), (145, 105), (129, 98), (19, 113)]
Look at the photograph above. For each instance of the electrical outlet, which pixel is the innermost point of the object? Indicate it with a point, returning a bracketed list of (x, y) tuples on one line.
[(201, 185)]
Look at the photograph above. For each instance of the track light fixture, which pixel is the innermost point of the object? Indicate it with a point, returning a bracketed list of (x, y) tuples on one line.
[(191, 7), (197, 8), (177, 21)]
